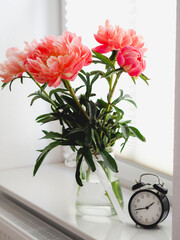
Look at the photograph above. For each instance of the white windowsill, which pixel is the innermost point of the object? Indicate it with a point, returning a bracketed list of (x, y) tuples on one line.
[(52, 192)]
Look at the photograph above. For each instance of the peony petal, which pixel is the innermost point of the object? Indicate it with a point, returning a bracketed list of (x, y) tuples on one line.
[(56, 58), (120, 59), (102, 49), (56, 83), (135, 72), (8, 79), (11, 51), (100, 39), (131, 59)]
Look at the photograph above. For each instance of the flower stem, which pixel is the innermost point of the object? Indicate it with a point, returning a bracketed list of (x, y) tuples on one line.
[(68, 86), (110, 98), (110, 84), (112, 91), (51, 101)]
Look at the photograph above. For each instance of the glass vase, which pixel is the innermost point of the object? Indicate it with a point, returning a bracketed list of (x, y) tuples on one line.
[(93, 198)]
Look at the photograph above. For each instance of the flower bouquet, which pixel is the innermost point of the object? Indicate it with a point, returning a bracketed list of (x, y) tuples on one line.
[(90, 126)]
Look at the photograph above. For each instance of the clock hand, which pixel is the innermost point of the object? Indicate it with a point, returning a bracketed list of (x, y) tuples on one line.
[(140, 208), (147, 207), (150, 205)]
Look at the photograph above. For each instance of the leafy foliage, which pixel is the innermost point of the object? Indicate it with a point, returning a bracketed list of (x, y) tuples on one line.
[(88, 127)]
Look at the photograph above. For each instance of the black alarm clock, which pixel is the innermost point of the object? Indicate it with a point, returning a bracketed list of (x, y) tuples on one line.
[(149, 205)]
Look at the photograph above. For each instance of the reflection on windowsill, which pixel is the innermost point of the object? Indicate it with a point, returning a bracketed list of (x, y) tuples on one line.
[(117, 230)]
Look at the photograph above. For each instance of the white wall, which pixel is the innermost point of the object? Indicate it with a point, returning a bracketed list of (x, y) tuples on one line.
[(24, 20)]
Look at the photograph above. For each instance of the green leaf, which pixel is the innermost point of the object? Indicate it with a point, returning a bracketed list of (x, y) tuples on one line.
[(89, 159), (121, 92), (117, 191), (123, 145), (102, 103), (96, 72), (43, 116), (82, 71), (70, 132), (67, 143), (82, 78), (126, 97), (119, 116), (95, 78), (109, 73), (47, 119), (58, 98), (21, 79), (88, 138), (102, 113), (125, 122), (98, 61), (105, 130), (4, 84), (41, 95), (125, 131), (144, 78), (92, 111), (76, 89), (109, 160), (113, 55), (137, 133), (131, 101), (134, 79), (88, 92), (70, 102), (98, 140), (60, 90), (51, 135), (94, 138), (34, 99), (43, 154), (120, 112), (117, 100), (79, 159), (10, 84), (104, 59), (33, 94), (44, 86)]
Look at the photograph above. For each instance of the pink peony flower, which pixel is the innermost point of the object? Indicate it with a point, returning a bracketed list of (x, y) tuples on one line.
[(111, 38), (14, 66), (116, 38), (137, 40), (54, 59), (41, 49), (131, 59)]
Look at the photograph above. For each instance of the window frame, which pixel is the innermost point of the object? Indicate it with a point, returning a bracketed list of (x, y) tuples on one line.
[(176, 174)]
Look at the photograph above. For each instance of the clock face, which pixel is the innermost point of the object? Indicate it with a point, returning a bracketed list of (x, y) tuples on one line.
[(145, 208)]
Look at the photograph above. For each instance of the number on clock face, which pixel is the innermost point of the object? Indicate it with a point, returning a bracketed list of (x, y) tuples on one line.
[(145, 208)]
